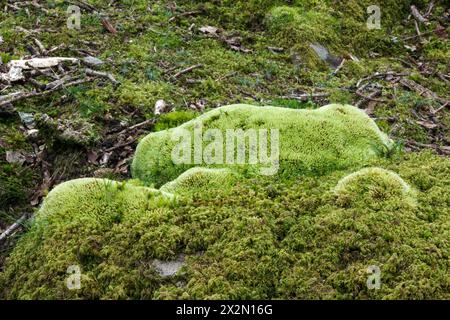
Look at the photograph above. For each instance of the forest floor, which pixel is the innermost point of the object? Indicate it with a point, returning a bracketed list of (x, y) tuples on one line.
[(84, 119)]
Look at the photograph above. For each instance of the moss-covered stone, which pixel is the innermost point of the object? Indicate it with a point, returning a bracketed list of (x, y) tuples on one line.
[(334, 136)]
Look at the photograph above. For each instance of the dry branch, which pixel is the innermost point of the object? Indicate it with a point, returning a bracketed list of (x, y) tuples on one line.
[(180, 73), (10, 230)]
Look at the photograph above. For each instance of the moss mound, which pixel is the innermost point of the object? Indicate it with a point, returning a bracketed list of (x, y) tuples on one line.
[(374, 186), (266, 239), (201, 180), (291, 236), (332, 137)]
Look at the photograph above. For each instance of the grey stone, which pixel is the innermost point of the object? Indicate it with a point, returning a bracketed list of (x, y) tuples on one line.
[(168, 268), (92, 61)]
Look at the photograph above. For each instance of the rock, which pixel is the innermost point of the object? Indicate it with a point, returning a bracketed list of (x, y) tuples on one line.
[(325, 55), (27, 119), (32, 133), (160, 107), (15, 157), (169, 268), (92, 61), (209, 30)]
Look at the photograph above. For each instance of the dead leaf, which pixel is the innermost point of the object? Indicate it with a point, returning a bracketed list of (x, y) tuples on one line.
[(92, 157), (441, 32), (108, 26)]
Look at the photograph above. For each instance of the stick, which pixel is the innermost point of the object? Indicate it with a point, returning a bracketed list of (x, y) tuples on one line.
[(370, 97), (417, 15), (122, 145), (180, 73), (108, 26), (429, 10), (185, 14), (139, 125), (20, 95), (424, 92), (339, 67), (307, 96), (109, 76), (41, 46), (13, 227), (442, 107), (416, 25)]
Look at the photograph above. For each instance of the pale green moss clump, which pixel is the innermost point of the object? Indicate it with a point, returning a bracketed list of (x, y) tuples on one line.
[(97, 198), (332, 137), (373, 186), (201, 180)]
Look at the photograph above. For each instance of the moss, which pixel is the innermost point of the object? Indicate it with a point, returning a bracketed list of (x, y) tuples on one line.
[(266, 238), (373, 186), (174, 119), (286, 236), (201, 180), (331, 137)]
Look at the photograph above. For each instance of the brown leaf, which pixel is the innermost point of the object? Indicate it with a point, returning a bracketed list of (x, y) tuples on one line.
[(92, 157), (108, 26), (441, 32)]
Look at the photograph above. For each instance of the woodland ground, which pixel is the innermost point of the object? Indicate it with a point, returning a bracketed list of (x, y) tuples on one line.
[(198, 55)]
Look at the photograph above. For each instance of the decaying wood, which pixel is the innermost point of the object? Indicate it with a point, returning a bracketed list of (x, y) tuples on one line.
[(39, 63), (16, 66)]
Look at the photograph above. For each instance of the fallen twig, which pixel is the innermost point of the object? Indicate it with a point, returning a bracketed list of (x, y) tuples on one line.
[(307, 96), (180, 73), (109, 76), (421, 90), (20, 95), (442, 107), (370, 97), (108, 26), (339, 67), (14, 226), (138, 125), (185, 14), (417, 15)]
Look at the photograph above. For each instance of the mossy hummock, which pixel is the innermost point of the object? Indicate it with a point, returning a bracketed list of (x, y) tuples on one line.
[(319, 141), (291, 236)]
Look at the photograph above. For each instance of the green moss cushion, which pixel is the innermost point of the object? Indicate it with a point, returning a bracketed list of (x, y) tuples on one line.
[(332, 137), (243, 235), (373, 186), (201, 180)]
